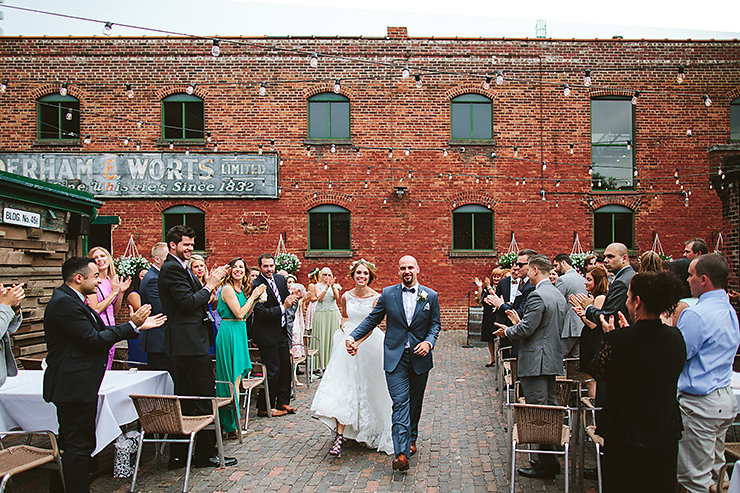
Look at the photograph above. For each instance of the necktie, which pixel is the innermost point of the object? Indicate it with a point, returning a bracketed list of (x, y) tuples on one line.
[(273, 285)]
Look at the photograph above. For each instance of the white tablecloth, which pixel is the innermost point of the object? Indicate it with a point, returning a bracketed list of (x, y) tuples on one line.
[(22, 405)]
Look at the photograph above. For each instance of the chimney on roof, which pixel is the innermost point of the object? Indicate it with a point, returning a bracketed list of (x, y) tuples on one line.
[(398, 32)]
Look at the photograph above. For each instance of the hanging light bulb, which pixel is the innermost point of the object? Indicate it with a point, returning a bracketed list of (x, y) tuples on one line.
[(272, 144), (368, 170), (689, 133), (462, 150), (487, 83), (707, 101), (108, 29), (599, 184), (454, 203), (337, 86), (365, 183), (4, 86), (524, 180), (405, 72), (385, 200), (590, 170), (635, 97), (333, 148), (557, 184), (129, 91), (314, 61), (477, 179), (493, 154), (634, 173), (418, 80), (420, 203), (680, 75), (138, 146), (215, 49), (281, 162), (63, 89), (259, 149), (68, 116), (315, 195), (449, 176), (516, 151), (566, 90), (330, 184), (126, 141), (517, 182), (172, 145), (390, 153), (444, 152), (544, 166), (263, 88), (87, 139), (719, 171), (357, 150), (407, 151), (499, 78), (571, 149), (629, 145), (542, 192), (308, 151), (326, 166), (675, 174), (209, 138), (556, 203), (409, 174), (190, 89), (587, 78), (187, 151), (215, 147)]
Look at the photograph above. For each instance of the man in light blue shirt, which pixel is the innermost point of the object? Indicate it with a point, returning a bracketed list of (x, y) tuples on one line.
[(708, 405)]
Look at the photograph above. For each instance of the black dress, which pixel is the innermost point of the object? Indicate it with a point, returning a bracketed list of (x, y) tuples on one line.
[(641, 421), (489, 317)]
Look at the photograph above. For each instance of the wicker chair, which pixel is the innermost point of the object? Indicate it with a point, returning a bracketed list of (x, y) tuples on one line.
[(590, 426), (541, 425), (161, 414), (20, 458)]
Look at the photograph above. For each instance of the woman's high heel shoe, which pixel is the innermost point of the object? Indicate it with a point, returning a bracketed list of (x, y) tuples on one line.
[(336, 448)]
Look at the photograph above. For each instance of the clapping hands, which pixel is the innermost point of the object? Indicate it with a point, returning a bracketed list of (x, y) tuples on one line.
[(12, 296), (581, 299), (608, 326), (216, 276), (143, 321)]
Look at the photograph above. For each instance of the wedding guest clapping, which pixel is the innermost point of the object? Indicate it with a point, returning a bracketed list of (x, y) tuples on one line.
[(326, 317), (486, 289), (133, 298), (10, 320)]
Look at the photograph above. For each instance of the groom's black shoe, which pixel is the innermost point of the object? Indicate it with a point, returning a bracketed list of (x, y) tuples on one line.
[(412, 449), (400, 463)]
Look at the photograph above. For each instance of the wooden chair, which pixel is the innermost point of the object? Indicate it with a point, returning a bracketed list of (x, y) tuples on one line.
[(232, 402), (252, 382), (295, 361), (20, 458), (313, 351), (161, 414), (30, 363), (589, 425), (540, 425)]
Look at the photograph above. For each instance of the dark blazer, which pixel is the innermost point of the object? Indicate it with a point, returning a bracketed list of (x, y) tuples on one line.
[(188, 330), (152, 340), (616, 298), (267, 329), (78, 344), (519, 302)]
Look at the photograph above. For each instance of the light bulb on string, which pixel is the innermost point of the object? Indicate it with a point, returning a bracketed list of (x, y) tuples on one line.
[(87, 139), (308, 151), (4, 86), (405, 72), (409, 173), (357, 150), (517, 182), (263, 88), (68, 116), (635, 97), (281, 162), (417, 77), (187, 151), (215, 147), (477, 179), (680, 75), (315, 195), (365, 183), (444, 152), (493, 154), (314, 61), (516, 151), (63, 89), (390, 153), (634, 173), (209, 138), (333, 148), (707, 101), (454, 203), (487, 181), (337, 86), (587, 78), (487, 83), (462, 150), (126, 141), (675, 174), (571, 149), (524, 180), (544, 166), (326, 166), (499, 78), (138, 146), (259, 149), (420, 203), (172, 145), (449, 176), (556, 203), (215, 48), (590, 170), (385, 200), (599, 184), (557, 184), (108, 29), (368, 170), (190, 89), (542, 192), (272, 144), (566, 90), (330, 184), (407, 151), (129, 91), (629, 145)]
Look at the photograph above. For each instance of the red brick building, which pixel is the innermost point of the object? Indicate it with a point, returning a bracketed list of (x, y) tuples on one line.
[(351, 159)]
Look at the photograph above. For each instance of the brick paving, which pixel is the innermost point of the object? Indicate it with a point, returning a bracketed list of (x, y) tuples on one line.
[(462, 446)]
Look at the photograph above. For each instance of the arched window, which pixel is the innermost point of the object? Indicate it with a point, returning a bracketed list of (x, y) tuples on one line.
[(182, 117), (472, 228), (472, 117), (735, 120), (58, 117), (329, 228), (328, 116), (612, 143), (189, 216), (614, 223)]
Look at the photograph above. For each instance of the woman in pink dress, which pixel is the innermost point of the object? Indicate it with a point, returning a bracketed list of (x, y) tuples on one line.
[(109, 296)]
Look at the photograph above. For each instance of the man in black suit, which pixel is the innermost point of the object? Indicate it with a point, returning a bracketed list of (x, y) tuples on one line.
[(152, 341), (270, 334), (188, 337), (78, 344)]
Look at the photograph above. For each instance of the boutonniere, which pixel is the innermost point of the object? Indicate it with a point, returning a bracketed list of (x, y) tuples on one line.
[(422, 296), (263, 297)]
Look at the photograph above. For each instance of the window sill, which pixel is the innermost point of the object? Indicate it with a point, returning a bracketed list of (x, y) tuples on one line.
[(732, 146), (328, 254), (314, 141), (57, 142), (472, 142), (472, 253), (179, 142)]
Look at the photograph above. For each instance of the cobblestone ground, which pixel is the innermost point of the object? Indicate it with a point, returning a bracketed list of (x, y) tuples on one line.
[(462, 446)]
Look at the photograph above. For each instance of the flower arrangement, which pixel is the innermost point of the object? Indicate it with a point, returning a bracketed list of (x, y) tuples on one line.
[(578, 259), (287, 261), (127, 266), (506, 260), (665, 257)]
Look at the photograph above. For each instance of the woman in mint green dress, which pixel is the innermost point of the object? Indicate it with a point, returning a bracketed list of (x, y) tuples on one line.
[(232, 350), (326, 318)]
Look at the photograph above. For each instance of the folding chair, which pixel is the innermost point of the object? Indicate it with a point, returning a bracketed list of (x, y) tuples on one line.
[(590, 427), (21, 458)]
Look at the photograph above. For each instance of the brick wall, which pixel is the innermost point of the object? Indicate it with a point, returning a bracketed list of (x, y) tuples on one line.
[(392, 112)]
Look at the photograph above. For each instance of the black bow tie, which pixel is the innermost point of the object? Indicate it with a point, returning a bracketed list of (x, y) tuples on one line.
[(410, 290)]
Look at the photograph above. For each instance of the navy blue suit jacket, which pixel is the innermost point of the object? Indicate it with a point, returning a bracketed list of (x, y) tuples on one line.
[(152, 340)]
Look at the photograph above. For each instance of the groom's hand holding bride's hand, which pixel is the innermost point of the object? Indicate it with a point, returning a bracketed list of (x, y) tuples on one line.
[(422, 349), (351, 346)]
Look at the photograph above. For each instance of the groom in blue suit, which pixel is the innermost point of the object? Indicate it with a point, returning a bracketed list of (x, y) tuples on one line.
[(412, 328)]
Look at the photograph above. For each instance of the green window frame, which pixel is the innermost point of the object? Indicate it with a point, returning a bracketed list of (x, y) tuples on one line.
[(472, 228), (612, 143), (51, 121), (328, 116), (735, 120), (329, 229), (183, 118), (189, 216), (614, 223), (471, 117)]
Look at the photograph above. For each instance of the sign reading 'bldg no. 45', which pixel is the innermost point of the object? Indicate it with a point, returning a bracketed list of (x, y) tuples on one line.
[(152, 174)]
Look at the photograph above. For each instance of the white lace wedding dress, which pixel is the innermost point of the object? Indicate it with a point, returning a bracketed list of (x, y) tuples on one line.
[(353, 389)]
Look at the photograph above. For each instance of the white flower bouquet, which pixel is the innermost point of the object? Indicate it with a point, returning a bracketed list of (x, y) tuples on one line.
[(287, 261), (127, 266)]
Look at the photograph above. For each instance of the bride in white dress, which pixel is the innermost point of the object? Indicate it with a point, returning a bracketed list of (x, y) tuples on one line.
[(352, 398)]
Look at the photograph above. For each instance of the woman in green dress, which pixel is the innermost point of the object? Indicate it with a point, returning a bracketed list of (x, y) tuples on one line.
[(232, 350), (326, 318)]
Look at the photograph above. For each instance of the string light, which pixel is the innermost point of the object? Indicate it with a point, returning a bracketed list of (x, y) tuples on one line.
[(68, 116), (557, 184), (409, 173), (129, 91), (126, 141), (629, 145), (707, 101), (263, 88), (517, 182), (308, 151), (326, 166), (215, 147), (680, 75), (138, 146), (635, 97), (87, 139), (590, 170), (314, 61), (420, 203), (385, 200), (172, 145), (272, 144), (4, 86), (516, 151), (281, 162), (689, 133), (587, 78), (493, 154), (209, 138), (566, 90), (477, 179), (499, 78), (357, 149), (544, 166), (108, 29), (408, 151), (330, 184), (675, 174), (190, 89), (365, 183), (542, 192), (571, 149), (187, 151), (524, 180), (368, 170), (444, 152), (487, 83), (390, 153), (449, 176), (337, 86), (215, 49), (333, 148), (63, 89), (417, 77), (462, 150), (405, 72), (259, 150)]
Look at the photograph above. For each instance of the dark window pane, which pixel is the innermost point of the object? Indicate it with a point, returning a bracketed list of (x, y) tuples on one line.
[(602, 230), (172, 120), (70, 128), (463, 231), (612, 166), (623, 229), (735, 121), (48, 120), (194, 123), (318, 121), (339, 120), (171, 220), (482, 121), (460, 120), (611, 121), (319, 231), (340, 232), (483, 226), (198, 223)]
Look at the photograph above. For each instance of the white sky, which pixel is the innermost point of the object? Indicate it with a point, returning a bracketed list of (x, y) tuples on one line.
[(470, 18)]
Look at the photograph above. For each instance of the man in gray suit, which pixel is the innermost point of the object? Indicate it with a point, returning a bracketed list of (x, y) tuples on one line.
[(540, 359), (569, 282)]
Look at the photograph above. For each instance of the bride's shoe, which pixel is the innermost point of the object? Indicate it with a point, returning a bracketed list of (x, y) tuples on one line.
[(336, 448)]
